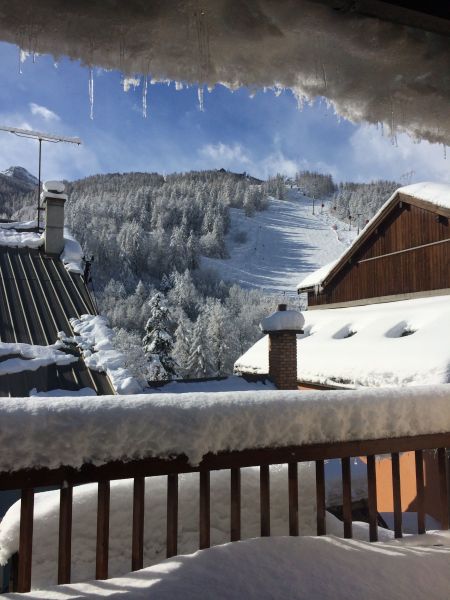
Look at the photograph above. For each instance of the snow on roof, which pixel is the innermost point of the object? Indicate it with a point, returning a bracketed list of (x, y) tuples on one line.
[(20, 239), (72, 255), (316, 277), (28, 357), (394, 343), (165, 425), (95, 340), (226, 384), (429, 191), (437, 194)]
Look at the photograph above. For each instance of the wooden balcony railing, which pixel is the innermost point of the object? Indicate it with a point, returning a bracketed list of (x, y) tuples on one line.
[(67, 477)]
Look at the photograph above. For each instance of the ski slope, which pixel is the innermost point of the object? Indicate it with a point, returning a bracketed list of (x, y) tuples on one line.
[(284, 243)]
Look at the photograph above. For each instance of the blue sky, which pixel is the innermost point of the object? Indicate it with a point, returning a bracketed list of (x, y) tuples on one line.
[(262, 135)]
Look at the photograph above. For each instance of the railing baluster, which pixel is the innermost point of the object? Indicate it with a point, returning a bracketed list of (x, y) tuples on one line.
[(65, 533), (235, 505), (264, 497), (320, 497), (396, 492), (137, 543), (372, 498), (346, 497), (172, 515), (443, 487), (293, 497), (420, 490), (205, 510), (101, 561), (25, 540)]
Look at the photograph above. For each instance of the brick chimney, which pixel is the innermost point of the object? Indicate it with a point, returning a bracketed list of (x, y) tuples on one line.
[(282, 327), (53, 198)]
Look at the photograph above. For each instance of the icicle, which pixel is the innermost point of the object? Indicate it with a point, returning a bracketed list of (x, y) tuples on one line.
[(144, 97), (23, 55), (382, 128), (445, 151), (178, 86), (324, 76), (201, 105), (91, 92), (34, 57)]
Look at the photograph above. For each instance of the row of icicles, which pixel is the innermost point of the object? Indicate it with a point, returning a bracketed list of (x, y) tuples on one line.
[(134, 82)]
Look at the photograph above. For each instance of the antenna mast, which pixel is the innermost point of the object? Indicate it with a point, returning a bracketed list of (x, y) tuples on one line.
[(41, 137)]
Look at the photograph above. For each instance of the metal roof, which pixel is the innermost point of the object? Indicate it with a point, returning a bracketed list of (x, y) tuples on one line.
[(38, 296)]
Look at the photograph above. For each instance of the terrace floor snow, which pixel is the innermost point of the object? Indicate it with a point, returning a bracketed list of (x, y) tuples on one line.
[(308, 568)]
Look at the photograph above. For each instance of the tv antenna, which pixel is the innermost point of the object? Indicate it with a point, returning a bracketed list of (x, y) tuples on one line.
[(41, 137)]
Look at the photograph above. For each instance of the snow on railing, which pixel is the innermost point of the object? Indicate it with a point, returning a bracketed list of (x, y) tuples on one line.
[(65, 443), (195, 424)]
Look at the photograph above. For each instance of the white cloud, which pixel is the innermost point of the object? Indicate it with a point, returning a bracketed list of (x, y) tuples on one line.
[(44, 112), (224, 154), (373, 156)]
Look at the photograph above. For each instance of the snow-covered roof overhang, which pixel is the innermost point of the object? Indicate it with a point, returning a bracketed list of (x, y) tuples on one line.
[(369, 69), (435, 196), (394, 343)]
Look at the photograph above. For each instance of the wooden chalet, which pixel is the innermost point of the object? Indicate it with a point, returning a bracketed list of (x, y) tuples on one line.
[(403, 253)]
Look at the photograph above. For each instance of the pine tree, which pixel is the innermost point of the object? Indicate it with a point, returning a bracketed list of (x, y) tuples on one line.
[(183, 341), (199, 363), (158, 342)]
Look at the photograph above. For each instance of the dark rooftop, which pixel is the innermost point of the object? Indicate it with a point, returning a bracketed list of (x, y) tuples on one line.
[(38, 296)]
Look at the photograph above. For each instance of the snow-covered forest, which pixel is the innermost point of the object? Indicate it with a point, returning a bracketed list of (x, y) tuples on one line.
[(360, 201), (147, 234)]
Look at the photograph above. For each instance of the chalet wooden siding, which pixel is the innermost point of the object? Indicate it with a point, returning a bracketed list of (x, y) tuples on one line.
[(406, 253)]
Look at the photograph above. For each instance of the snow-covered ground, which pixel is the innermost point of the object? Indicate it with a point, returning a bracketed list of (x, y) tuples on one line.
[(306, 568), (284, 243)]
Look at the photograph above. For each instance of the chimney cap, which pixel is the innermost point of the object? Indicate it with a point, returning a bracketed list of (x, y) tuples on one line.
[(54, 187), (283, 320)]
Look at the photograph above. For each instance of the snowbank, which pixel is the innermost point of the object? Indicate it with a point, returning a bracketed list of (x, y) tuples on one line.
[(164, 425), (306, 568), (95, 340), (31, 357), (72, 254), (394, 343), (46, 520)]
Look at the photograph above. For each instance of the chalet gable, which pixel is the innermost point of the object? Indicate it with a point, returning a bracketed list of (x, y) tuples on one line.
[(403, 252)]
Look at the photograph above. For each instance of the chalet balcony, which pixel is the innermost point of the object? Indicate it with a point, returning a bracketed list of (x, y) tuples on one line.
[(245, 465)]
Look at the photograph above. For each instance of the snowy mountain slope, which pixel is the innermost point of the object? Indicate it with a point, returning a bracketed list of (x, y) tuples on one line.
[(284, 243), (21, 175)]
